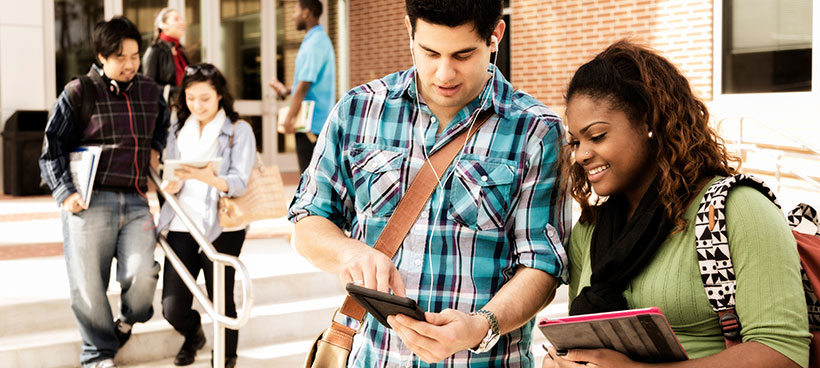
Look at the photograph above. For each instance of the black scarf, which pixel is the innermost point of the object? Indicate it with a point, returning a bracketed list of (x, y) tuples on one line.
[(620, 250)]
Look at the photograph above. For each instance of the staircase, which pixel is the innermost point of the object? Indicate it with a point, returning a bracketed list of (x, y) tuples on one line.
[(293, 301)]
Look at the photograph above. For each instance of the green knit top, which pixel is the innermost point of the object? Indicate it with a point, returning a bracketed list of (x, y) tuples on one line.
[(769, 297)]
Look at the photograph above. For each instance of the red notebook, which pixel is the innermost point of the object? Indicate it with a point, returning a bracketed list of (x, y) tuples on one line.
[(642, 334)]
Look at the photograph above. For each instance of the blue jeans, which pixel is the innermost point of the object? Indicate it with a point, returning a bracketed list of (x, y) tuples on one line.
[(114, 225)]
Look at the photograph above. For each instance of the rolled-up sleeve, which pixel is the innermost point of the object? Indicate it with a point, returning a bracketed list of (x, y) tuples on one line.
[(542, 212), (54, 164), (243, 158), (322, 191)]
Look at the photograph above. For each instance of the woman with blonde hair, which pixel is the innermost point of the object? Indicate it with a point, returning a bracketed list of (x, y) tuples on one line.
[(165, 59)]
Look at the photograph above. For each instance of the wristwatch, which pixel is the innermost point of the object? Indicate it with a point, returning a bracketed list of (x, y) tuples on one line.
[(492, 334)]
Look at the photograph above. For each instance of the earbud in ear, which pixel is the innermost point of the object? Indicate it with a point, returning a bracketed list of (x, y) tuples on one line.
[(493, 43), (411, 44)]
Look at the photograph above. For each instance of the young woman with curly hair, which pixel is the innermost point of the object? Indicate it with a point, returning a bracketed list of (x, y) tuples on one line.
[(640, 139)]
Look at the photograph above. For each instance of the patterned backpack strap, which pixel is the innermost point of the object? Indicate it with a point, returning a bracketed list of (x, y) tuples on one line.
[(803, 212), (804, 219), (714, 258)]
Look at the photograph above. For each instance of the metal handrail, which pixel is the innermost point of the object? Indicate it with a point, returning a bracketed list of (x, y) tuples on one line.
[(790, 137), (741, 145), (779, 163), (215, 311)]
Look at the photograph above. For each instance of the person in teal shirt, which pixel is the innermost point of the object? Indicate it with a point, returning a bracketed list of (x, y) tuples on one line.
[(313, 80)]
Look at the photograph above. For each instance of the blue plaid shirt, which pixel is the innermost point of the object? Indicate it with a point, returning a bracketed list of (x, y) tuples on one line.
[(498, 205)]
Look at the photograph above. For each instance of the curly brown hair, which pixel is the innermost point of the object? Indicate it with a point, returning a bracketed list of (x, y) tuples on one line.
[(652, 91)]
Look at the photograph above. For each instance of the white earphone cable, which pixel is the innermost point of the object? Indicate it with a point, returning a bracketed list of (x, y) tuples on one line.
[(439, 178), (442, 180)]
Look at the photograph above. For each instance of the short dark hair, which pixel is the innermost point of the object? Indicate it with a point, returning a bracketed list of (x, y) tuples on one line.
[(108, 36), (483, 14), (315, 7), (204, 72)]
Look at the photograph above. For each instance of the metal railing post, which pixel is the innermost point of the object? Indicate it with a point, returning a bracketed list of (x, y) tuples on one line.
[(215, 309), (219, 306)]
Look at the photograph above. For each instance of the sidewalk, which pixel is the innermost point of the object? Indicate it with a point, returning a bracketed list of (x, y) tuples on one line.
[(31, 225), (31, 245)]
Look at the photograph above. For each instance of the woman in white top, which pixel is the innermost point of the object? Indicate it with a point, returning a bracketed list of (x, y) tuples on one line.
[(208, 128)]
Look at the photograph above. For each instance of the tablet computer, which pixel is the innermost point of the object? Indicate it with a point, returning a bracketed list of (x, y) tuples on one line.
[(642, 334), (380, 305), (170, 165)]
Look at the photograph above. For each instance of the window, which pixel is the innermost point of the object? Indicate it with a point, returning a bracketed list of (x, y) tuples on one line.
[(767, 46), (143, 13), (241, 47), (74, 22)]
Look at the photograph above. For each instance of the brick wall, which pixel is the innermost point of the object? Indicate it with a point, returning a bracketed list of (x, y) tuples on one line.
[(552, 38), (378, 39)]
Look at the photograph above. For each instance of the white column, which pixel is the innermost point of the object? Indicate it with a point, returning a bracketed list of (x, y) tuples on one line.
[(343, 53)]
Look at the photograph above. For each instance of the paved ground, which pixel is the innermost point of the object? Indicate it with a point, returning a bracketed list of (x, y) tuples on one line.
[(30, 225)]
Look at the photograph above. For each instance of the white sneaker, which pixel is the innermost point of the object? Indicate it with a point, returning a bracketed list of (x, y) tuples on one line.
[(106, 363)]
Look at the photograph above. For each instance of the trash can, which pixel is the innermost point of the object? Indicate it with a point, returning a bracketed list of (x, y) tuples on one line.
[(22, 145)]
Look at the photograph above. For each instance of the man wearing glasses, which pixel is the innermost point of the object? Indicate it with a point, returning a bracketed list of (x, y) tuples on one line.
[(129, 123)]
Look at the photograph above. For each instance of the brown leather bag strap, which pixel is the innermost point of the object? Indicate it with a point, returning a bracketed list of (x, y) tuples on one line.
[(413, 201)]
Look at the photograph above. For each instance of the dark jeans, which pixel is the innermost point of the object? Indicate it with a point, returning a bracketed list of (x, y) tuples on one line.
[(177, 299), (304, 150)]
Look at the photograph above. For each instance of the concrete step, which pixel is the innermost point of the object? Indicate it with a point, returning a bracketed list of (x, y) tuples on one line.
[(278, 275), (156, 340), (293, 301), (291, 353), (16, 319)]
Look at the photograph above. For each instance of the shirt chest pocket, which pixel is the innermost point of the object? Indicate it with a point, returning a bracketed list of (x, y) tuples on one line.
[(377, 180), (480, 195)]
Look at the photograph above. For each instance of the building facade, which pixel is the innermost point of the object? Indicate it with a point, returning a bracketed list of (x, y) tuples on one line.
[(751, 60)]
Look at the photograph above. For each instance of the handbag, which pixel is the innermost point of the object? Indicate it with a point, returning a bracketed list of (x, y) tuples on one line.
[(332, 347), (264, 197)]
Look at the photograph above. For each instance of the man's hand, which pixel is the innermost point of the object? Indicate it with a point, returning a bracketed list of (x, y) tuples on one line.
[(288, 126), (442, 335), (373, 268), (74, 203), (280, 88)]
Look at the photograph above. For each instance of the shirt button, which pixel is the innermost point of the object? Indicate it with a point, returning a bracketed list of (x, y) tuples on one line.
[(418, 262), (424, 214), (483, 177), (550, 232), (433, 119)]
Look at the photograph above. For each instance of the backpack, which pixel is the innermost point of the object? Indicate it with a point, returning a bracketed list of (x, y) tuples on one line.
[(715, 263), (81, 107)]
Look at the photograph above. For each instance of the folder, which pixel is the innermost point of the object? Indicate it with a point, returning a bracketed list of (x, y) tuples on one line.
[(642, 334)]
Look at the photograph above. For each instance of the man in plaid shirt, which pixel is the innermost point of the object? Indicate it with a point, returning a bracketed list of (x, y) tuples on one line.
[(129, 123), (485, 255)]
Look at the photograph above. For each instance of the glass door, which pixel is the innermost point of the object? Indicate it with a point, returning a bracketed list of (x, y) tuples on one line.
[(244, 41), (238, 36)]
